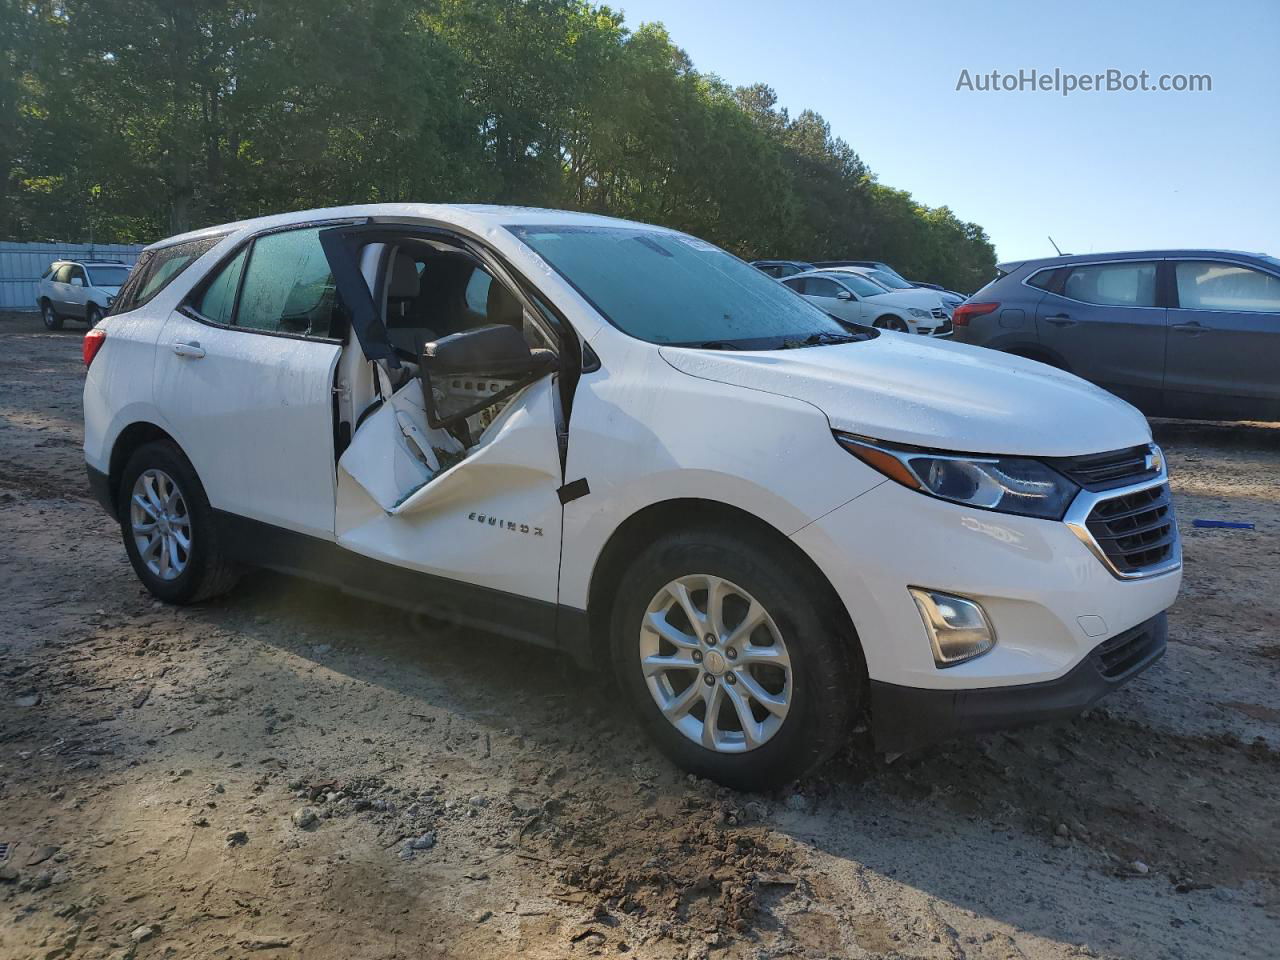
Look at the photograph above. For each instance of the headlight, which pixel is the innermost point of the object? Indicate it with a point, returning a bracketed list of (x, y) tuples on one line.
[(1004, 484), (917, 312)]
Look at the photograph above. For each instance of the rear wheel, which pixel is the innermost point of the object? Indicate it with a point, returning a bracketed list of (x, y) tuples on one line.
[(92, 315), (168, 527), (890, 322), (50, 316), (734, 662)]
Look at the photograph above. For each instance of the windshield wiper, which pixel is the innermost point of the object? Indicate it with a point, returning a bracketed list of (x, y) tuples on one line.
[(825, 339), (716, 345)]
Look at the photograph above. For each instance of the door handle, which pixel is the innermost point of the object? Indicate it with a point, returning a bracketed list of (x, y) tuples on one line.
[(1061, 320), (1190, 327), (192, 350)]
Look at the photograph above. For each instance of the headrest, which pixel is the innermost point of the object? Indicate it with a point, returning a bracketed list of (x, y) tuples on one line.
[(404, 277), (502, 306)]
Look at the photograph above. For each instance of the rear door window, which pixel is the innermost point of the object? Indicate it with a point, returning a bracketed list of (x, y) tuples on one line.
[(218, 301), (289, 288), (1113, 284)]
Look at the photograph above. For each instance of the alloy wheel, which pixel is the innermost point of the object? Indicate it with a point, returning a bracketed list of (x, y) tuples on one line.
[(161, 524), (715, 663)]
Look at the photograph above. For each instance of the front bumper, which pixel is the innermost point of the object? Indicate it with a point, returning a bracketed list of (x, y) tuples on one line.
[(1050, 600), (907, 718)]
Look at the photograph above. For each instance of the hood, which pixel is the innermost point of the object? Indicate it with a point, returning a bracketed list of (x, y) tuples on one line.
[(950, 396), (108, 289), (921, 297)]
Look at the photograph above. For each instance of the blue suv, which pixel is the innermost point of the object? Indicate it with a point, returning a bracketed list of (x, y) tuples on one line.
[(1177, 333)]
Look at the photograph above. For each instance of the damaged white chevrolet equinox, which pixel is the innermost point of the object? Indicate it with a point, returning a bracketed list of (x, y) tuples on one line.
[(620, 441)]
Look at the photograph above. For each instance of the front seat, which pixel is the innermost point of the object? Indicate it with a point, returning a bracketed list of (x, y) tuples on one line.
[(405, 327)]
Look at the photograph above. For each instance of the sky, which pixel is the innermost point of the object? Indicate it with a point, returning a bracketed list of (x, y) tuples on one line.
[(1096, 170)]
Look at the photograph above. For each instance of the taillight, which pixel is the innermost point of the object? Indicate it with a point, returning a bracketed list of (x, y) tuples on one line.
[(93, 341), (967, 311)]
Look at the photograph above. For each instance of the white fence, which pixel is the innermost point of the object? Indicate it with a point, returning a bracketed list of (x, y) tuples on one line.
[(21, 265)]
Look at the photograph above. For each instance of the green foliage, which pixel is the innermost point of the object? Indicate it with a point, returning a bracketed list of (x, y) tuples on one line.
[(128, 120)]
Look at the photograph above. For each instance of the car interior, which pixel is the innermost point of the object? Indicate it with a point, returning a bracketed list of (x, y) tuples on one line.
[(466, 347)]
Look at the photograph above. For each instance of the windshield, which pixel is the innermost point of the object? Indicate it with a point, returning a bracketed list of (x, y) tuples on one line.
[(108, 276), (862, 286), (890, 281), (669, 288)]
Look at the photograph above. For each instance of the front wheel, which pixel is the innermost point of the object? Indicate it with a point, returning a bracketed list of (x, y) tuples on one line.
[(735, 662), (169, 529), (92, 315), (890, 322), (50, 316)]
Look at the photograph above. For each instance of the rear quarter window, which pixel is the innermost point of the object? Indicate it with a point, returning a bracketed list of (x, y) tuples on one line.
[(156, 269)]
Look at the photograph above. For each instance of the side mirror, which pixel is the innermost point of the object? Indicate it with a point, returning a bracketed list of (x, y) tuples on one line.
[(77, 282), (844, 295), (497, 351), (495, 348)]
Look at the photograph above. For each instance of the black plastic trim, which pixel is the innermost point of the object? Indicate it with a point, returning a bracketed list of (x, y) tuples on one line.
[(573, 491), (100, 487), (259, 544), (907, 718)]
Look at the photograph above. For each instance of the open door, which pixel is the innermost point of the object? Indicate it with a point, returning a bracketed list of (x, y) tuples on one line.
[(455, 470)]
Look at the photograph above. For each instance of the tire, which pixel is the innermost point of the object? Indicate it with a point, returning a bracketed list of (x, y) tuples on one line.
[(822, 693), (92, 315), (50, 316), (890, 322), (203, 569)]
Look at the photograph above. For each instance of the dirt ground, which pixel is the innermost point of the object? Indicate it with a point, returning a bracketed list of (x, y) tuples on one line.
[(289, 773)]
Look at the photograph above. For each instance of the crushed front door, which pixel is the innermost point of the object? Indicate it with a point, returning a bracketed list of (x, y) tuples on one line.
[(411, 495)]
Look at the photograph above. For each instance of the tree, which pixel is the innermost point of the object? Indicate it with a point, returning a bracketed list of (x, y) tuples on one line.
[(134, 119)]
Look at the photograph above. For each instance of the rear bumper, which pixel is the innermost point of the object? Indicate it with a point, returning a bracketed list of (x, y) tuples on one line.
[(906, 718), (100, 487)]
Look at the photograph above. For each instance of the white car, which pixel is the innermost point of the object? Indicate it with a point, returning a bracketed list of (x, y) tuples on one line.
[(82, 289), (621, 442), (847, 294)]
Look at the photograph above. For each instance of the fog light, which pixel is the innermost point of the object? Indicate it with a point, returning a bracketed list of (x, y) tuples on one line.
[(958, 628)]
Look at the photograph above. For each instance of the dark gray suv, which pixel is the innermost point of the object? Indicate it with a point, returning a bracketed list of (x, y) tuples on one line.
[(1177, 333)]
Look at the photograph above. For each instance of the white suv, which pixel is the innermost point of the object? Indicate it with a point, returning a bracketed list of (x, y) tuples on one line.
[(619, 441), (82, 289)]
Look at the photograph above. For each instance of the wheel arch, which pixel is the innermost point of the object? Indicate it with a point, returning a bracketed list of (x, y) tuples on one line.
[(130, 439), (648, 524)]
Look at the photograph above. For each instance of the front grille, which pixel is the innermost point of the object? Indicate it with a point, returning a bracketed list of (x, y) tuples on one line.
[(938, 313), (1129, 651), (1136, 530), (1116, 468)]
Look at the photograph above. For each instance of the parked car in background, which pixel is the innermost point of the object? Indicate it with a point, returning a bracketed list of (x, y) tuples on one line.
[(896, 284), (955, 295), (859, 299), (889, 277), (873, 264), (621, 442), (80, 289), (1178, 333), (781, 268)]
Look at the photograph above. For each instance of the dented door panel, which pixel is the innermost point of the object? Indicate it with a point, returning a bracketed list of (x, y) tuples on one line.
[(493, 519)]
